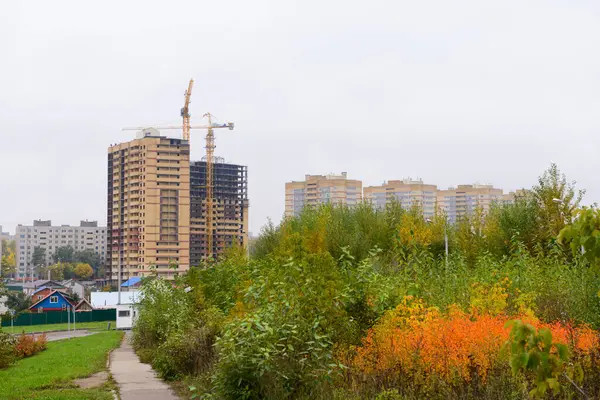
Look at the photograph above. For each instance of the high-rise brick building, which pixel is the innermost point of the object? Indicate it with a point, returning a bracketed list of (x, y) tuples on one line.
[(148, 205)]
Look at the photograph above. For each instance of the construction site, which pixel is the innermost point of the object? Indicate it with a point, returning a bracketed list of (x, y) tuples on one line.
[(229, 208), (166, 212)]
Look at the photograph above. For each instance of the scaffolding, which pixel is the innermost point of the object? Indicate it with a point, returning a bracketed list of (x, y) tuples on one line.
[(230, 209)]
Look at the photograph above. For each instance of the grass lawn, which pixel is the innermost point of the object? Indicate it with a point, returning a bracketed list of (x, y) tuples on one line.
[(48, 374), (101, 326)]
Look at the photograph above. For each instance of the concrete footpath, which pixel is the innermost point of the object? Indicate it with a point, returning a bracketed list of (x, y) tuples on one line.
[(136, 381)]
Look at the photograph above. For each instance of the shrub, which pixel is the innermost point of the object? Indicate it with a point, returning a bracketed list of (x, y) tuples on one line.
[(424, 346), (28, 345), (7, 349), (186, 353)]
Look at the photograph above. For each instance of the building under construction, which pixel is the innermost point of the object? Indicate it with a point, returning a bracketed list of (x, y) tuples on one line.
[(229, 213), (157, 207), (164, 209)]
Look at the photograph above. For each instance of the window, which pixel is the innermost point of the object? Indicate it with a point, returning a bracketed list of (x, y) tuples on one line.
[(40, 297), (124, 313), (53, 299)]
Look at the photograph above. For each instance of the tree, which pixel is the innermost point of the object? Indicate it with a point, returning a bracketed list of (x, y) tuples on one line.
[(38, 258), (557, 201), (65, 254), (84, 271), (17, 301), (507, 224), (89, 257), (57, 271), (8, 263), (583, 235)]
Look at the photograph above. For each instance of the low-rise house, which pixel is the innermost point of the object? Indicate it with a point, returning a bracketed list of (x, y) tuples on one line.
[(40, 294), (131, 283), (83, 305), (30, 287), (55, 301), (74, 287)]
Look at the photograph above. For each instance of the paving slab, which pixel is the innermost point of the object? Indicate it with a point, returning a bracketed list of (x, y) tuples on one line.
[(136, 380)]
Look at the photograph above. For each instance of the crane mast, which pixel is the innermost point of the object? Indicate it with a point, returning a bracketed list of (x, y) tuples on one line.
[(210, 151), (185, 111)]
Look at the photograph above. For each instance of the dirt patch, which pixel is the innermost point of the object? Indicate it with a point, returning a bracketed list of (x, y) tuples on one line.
[(93, 381)]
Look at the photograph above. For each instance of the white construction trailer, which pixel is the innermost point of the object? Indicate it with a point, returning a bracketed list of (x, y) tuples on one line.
[(126, 315)]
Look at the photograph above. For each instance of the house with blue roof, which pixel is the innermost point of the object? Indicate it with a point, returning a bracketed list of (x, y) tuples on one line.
[(54, 301), (131, 283)]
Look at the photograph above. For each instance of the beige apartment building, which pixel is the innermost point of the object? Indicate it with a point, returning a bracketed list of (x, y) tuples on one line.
[(148, 206), (321, 189), (464, 199), (407, 193)]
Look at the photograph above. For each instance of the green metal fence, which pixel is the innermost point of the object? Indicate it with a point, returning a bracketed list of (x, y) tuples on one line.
[(58, 317)]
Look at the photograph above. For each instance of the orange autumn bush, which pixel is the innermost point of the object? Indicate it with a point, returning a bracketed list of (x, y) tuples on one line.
[(28, 345), (423, 343)]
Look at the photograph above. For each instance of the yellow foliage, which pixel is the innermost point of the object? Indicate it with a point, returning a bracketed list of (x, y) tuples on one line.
[(84, 271), (414, 231), (489, 299)]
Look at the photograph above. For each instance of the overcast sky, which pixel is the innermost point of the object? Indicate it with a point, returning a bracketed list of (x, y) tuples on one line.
[(451, 92)]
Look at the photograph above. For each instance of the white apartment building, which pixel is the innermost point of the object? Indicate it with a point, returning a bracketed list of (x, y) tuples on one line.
[(88, 235)]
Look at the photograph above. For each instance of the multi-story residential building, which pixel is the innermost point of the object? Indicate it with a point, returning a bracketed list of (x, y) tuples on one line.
[(464, 199), (87, 236), (229, 213), (407, 193), (5, 235), (321, 189), (148, 206)]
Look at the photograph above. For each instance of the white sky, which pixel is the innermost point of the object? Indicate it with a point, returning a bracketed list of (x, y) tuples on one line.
[(448, 91)]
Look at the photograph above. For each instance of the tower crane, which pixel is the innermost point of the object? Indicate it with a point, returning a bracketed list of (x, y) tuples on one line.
[(185, 111), (210, 150)]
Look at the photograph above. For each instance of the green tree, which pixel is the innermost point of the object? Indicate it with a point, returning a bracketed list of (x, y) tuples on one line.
[(557, 200), (39, 257), (507, 223), (583, 235), (17, 301), (64, 254), (89, 257), (57, 271)]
